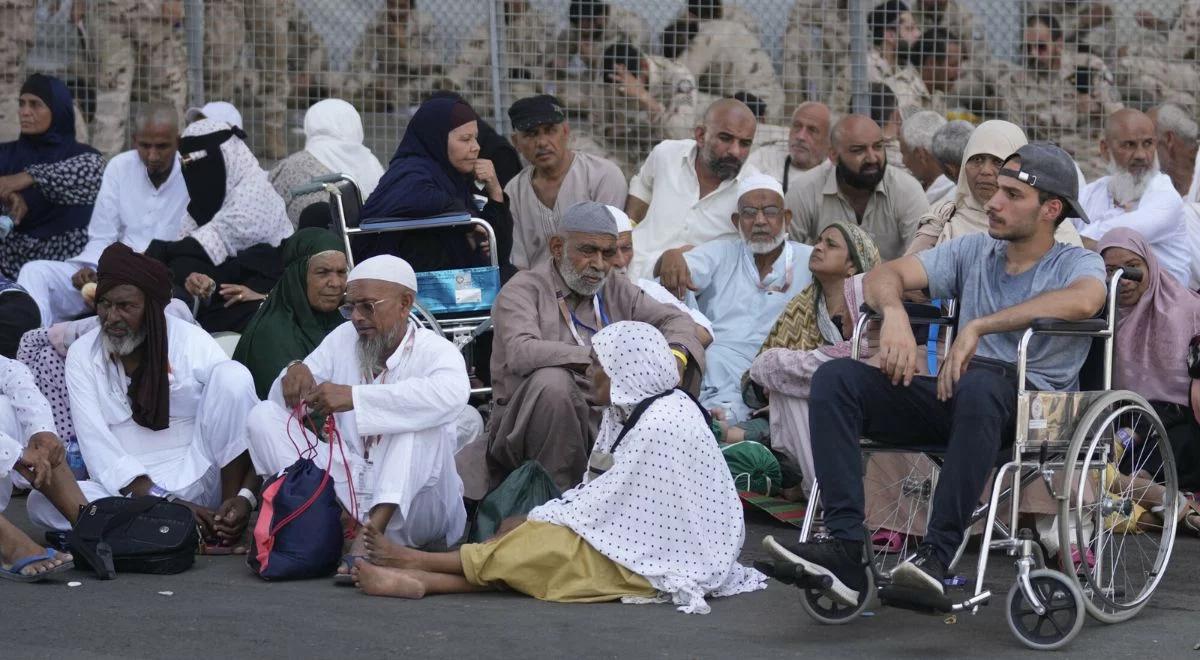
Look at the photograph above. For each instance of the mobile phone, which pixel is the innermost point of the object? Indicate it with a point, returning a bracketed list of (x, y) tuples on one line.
[(1083, 80)]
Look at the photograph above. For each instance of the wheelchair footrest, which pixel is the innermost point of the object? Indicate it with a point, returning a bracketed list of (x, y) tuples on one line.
[(791, 573), (917, 600)]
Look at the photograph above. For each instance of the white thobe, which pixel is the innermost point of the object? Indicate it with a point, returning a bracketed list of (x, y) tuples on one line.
[(743, 309), (773, 159), (1191, 217), (1158, 218), (129, 209), (677, 215), (660, 294), (210, 398), (940, 187), (410, 410), (23, 412)]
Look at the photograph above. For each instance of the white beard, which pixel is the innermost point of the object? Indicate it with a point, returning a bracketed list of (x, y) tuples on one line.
[(763, 247), (1124, 186), (123, 346)]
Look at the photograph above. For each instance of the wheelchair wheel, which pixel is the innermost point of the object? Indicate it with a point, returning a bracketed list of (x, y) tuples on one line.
[(1121, 471), (828, 611), (424, 318), (898, 488), (1061, 619)]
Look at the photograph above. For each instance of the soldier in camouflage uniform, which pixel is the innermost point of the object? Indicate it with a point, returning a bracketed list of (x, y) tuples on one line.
[(396, 64), (1060, 95), (816, 54), (126, 33), (1166, 71), (231, 25), (727, 59), (894, 34), (645, 100), (307, 62), (593, 25), (17, 18)]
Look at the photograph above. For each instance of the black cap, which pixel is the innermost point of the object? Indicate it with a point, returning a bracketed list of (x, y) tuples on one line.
[(534, 111), (1046, 167)]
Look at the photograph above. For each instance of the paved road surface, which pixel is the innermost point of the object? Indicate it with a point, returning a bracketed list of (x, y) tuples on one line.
[(219, 610)]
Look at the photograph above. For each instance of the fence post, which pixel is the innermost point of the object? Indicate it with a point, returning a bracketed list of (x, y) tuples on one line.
[(494, 18), (859, 43), (193, 22)]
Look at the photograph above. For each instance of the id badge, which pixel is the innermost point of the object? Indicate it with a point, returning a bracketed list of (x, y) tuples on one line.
[(364, 486), (465, 289)]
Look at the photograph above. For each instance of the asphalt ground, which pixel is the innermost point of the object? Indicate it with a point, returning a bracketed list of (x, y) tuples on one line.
[(218, 609)]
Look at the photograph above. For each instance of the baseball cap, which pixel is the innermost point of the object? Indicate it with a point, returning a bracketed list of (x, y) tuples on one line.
[(1046, 167), (217, 110), (533, 111)]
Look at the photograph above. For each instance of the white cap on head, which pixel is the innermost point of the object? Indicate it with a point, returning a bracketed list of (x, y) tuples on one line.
[(624, 224), (759, 181), (217, 111), (387, 268)]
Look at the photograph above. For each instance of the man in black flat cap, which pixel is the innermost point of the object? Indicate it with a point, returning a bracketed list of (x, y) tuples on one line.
[(1002, 280), (556, 179)]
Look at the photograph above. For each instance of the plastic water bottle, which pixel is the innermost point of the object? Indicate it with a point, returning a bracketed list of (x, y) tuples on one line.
[(75, 460), (6, 226), (1125, 437)]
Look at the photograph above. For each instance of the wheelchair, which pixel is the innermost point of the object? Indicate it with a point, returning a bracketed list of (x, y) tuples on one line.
[(457, 303), (1076, 443)]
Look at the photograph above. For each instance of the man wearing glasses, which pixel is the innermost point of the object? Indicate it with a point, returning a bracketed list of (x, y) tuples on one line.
[(395, 391), (742, 284)]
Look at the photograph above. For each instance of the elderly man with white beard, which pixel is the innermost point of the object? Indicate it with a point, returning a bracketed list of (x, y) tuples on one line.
[(1136, 194), (544, 321), (742, 284), (395, 391)]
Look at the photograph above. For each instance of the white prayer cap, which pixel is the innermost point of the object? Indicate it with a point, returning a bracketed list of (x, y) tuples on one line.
[(217, 111), (624, 224), (387, 268), (759, 181)]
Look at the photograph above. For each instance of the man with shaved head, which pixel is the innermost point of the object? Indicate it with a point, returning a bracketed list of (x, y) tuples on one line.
[(395, 391), (1136, 194), (807, 145), (855, 185), (686, 191)]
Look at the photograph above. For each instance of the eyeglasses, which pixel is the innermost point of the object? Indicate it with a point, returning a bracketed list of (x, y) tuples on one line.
[(751, 212), (365, 307)]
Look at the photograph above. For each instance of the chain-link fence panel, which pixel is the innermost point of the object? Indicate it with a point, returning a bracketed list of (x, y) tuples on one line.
[(628, 72)]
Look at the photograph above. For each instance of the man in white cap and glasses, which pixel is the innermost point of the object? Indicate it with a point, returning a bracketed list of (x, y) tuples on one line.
[(395, 390), (544, 320), (743, 284)]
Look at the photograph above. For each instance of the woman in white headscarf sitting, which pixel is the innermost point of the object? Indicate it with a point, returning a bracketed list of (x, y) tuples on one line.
[(657, 517), (989, 145), (333, 143)]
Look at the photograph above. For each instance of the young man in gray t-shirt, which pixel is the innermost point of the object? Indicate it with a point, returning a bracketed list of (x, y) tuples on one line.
[(1002, 281)]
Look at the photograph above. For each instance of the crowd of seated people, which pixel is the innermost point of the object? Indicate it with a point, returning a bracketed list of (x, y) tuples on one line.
[(694, 302)]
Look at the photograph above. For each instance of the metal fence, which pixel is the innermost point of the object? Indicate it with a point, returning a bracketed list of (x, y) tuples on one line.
[(1056, 67)]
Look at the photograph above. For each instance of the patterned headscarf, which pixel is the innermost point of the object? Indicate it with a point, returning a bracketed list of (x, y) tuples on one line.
[(798, 328), (638, 361)]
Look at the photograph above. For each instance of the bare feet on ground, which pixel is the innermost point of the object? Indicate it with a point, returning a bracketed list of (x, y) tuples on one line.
[(383, 581), (358, 548), (382, 552), (20, 546)]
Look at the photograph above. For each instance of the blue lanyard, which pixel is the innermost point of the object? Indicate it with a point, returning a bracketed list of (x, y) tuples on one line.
[(570, 318)]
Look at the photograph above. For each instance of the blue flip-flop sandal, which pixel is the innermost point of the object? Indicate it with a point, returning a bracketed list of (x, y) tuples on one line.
[(346, 579), (14, 574)]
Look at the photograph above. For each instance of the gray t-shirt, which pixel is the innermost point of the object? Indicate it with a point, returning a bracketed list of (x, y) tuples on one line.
[(971, 270)]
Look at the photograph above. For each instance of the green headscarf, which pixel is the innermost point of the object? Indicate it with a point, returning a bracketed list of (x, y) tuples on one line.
[(286, 328)]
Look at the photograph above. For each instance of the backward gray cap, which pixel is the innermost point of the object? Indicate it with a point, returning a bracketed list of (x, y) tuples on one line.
[(589, 218), (1048, 168)]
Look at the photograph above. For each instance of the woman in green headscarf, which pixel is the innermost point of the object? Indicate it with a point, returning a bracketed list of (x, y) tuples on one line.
[(300, 310)]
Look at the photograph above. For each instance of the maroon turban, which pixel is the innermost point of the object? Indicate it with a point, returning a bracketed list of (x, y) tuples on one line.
[(149, 391)]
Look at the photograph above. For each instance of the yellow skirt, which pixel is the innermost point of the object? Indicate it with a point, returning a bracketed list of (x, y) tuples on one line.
[(550, 562)]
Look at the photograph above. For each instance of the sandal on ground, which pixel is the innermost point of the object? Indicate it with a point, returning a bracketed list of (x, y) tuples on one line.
[(14, 574), (885, 540), (347, 579)]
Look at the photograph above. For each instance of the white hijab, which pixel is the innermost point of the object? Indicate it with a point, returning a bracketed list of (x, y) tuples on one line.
[(667, 509), (333, 133)]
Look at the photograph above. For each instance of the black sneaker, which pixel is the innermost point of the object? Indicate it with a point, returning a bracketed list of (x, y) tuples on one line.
[(925, 572), (840, 560)]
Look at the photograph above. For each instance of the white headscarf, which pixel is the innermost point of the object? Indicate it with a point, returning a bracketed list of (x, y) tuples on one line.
[(1194, 191), (252, 213), (333, 133), (667, 509)]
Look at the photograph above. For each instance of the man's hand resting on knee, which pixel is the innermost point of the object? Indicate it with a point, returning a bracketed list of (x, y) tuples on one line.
[(957, 361), (897, 347), (37, 462)]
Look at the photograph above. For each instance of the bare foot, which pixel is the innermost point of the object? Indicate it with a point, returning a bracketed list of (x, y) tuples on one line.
[(382, 581), (18, 546), (382, 552), (358, 548)]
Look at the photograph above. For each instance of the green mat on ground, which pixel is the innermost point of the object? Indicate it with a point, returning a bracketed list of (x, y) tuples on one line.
[(778, 508)]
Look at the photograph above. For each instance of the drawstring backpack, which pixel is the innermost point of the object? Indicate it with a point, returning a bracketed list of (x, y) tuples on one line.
[(299, 530)]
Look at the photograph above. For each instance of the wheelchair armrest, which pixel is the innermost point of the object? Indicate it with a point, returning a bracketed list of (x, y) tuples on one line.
[(918, 313), (410, 224), (1059, 326)]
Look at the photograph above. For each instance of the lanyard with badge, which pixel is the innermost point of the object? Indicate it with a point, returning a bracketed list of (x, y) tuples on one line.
[(365, 477), (573, 322), (788, 269)]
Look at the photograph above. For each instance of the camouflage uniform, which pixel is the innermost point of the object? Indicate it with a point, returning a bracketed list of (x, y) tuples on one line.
[(629, 132), (229, 26), (126, 32), (394, 66), (528, 45), (726, 58), (571, 75), (1168, 71), (307, 62), (17, 17), (1049, 106), (904, 81), (816, 54)]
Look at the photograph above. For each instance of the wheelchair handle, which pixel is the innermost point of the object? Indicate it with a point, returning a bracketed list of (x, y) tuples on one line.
[(317, 184), (307, 189), (1132, 274)]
